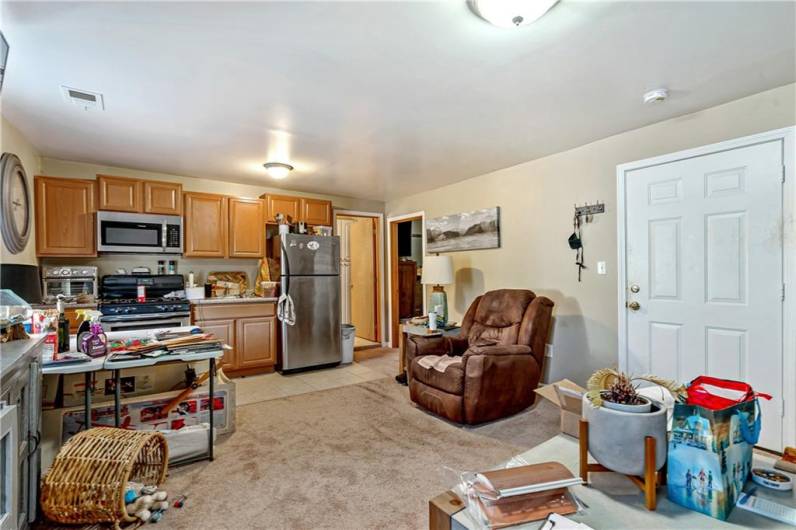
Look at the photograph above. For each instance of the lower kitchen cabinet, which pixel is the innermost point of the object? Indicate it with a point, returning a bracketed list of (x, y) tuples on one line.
[(249, 328), (224, 330), (255, 342)]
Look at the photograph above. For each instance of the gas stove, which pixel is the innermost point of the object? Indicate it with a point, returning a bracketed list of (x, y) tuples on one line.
[(121, 309), (134, 307)]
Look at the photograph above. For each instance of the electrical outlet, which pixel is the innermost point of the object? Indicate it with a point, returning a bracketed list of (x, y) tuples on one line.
[(601, 267), (548, 350)]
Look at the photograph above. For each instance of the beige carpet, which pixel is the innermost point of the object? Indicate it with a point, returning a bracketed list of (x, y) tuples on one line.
[(354, 457)]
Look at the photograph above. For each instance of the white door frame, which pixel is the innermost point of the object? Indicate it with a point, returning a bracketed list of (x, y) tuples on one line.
[(786, 135), (379, 255), (422, 215)]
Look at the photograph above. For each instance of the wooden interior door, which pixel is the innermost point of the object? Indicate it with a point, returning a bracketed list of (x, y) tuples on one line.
[(246, 228), (65, 217), (362, 235), (205, 225)]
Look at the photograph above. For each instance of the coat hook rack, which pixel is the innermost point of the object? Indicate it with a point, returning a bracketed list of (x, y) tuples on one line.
[(582, 214), (589, 209)]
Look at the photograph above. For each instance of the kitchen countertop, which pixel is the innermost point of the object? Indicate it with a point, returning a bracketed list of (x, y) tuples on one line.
[(235, 300), (66, 306), (15, 351)]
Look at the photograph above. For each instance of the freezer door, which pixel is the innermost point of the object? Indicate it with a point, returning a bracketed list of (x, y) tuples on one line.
[(310, 255), (315, 338)]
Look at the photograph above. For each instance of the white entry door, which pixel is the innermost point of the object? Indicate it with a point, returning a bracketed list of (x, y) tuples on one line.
[(704, 268)]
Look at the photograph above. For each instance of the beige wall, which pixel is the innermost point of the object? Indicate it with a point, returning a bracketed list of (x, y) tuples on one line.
[(12, 141), (536, 201), (62, 168), (108, 264)]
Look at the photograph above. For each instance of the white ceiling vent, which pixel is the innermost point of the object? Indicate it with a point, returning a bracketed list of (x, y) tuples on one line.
[(85, 99)]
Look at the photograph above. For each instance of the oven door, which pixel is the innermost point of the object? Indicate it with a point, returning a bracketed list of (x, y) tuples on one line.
[(125, 232), (153, 321)]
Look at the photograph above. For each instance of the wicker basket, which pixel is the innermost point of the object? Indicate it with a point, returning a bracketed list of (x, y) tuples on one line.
[(87, 481)]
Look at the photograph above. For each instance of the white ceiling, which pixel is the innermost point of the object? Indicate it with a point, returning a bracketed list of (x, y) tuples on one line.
[(371, 99)]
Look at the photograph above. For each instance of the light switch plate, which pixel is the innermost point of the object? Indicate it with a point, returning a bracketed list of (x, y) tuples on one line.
[(601, 267)]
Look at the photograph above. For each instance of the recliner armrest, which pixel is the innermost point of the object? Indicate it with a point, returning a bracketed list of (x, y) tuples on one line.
[(499, 349), (417, 346)]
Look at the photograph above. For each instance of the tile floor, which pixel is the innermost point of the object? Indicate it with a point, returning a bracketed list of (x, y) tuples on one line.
[(375, 365)]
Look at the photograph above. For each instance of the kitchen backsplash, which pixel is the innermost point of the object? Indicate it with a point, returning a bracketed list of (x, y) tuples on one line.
[(108, 263)]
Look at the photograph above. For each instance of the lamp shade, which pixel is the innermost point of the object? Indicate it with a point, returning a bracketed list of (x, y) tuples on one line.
[(437, 270)]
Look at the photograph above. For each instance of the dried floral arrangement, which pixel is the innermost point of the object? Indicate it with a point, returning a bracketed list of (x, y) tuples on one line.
[(618, 387)]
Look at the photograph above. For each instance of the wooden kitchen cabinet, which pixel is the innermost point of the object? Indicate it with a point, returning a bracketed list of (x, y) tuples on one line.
[(205, 225), (288, 206), (224, 330), (308, 210), (246, 228), (316, 212), (65, 220), (119, 194), (249, 328), (255, 344), (122, 194), (162, 197)]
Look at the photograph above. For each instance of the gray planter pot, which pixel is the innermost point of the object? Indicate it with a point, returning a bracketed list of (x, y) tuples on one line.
[(616, 439)]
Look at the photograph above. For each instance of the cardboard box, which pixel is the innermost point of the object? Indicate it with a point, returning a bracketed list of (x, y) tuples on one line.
[(568, 397)]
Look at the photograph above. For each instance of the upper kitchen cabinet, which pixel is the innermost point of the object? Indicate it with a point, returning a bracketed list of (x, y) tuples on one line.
[(205, 224), (288, 206), (162, 197), (65, 220), (295, 209), (246, 228), (316, 212), (122, 194), (119, 194)]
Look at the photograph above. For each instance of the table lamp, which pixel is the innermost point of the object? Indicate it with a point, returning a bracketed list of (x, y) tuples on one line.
[(438, 271)]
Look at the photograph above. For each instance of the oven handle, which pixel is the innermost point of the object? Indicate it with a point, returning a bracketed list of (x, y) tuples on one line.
[(144, 317), (153, 324)]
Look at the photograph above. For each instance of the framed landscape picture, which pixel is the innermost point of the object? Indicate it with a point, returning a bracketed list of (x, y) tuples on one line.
[(474, 230)]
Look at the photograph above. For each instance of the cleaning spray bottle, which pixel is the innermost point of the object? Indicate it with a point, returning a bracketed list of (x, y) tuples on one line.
[(93, 342)]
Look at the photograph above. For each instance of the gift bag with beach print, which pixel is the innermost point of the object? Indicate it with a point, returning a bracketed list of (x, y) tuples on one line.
[(710, 455)]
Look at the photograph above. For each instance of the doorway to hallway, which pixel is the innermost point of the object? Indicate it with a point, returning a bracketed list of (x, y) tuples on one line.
[(360, 276)]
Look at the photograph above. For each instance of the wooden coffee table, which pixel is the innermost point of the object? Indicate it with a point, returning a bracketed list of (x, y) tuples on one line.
[(613, 501)]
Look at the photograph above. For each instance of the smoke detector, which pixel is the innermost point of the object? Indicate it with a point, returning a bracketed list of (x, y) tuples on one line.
[(85, 99), (656, 96)]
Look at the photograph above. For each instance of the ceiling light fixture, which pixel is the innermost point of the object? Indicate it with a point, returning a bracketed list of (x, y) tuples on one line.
[(656, 96), (277, 170), (511, 13)]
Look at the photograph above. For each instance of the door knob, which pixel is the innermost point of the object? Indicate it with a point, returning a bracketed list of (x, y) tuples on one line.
[(634, 306), (634, 288)]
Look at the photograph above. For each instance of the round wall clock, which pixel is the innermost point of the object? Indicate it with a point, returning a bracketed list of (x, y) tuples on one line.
[(15, 203)]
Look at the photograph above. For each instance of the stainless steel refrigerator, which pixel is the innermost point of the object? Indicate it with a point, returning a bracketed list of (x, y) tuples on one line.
[(310, 274)]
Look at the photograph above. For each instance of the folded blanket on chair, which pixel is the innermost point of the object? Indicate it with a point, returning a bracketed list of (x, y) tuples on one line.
[(438, 362)]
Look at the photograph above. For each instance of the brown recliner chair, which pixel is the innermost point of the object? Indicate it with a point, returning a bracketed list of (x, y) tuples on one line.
[(491, 369)]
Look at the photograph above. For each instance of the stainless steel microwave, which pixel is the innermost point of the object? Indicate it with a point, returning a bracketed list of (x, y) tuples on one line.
[(139, 232)]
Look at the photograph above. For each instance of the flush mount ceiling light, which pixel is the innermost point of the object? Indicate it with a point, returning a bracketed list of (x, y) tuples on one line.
[(511, 13), (277, 170)]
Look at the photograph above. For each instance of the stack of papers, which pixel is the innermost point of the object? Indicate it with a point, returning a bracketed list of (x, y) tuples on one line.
[(559, 522)]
